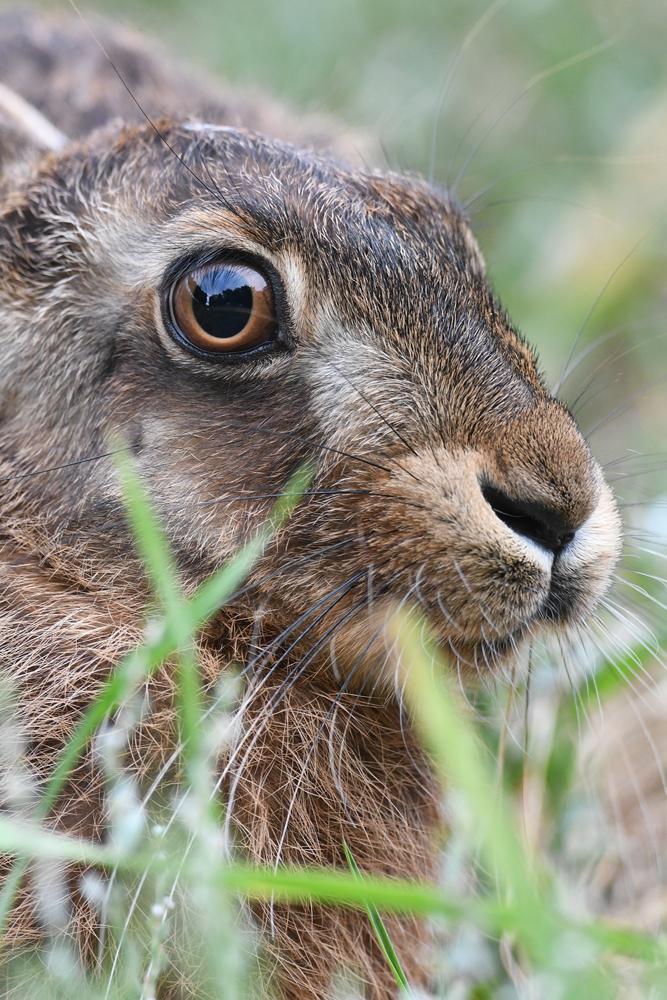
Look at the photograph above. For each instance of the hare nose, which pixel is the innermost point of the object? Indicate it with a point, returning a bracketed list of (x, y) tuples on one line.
[(532, 520)]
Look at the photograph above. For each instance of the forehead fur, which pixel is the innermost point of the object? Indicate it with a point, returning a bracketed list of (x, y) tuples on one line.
[(284, 193)]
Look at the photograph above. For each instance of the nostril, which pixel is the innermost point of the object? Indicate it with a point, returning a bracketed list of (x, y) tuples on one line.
[(532, 520)]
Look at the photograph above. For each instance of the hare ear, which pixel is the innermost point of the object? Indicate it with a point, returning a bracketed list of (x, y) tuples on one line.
[(24, 132)]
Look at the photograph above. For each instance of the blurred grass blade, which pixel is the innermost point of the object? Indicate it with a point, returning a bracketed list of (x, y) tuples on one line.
[(32, 840), (322, 885), (462, 765), (381, 932), (185, 618), (162, 640), (149, 536), (117, 688), (219, 587)]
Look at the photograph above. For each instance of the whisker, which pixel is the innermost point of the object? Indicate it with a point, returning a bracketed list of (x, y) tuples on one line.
[(303, 663), (588, 350), (564, 158), (169, 763), (526, 705), (248, 428), (213, 190), (306, 760), (534, 80), (646, 682), (650, 645), (511, 199), (252, 734), (613, 358), (477, 27), (500, 759), (379, 414), (507, 176), (65, 465), (576, 699), (622, 406), (597, 298), (273, 496), (645, 593), (640, 611)]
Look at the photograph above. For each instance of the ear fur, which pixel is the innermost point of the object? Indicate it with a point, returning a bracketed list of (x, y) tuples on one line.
[(25, 134)]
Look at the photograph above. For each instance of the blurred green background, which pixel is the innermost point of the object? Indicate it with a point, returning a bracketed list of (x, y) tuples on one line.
[(574, 172)]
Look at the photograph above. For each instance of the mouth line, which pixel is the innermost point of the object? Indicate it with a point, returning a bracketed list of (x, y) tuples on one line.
[(560, 602), (552, 612), (556, 610)]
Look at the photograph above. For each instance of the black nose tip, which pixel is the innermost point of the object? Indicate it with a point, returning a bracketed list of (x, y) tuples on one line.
[(532, 520)]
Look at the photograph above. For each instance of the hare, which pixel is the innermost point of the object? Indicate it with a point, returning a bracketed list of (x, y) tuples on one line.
[(220, 286)]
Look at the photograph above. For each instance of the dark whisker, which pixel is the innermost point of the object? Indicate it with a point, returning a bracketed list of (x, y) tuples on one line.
[(478, 26), (599, 296), (220, 153), (510, 199), (380, 415), (215, 191), (586, 351), (307, 493), (252, 734), (614, 462), (611, 359), (592, 389), (314, 649), (508, 175), (319, 732), (307, 441), (65, 465), (344, 587)]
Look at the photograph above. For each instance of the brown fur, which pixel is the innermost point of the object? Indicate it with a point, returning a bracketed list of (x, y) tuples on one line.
[(398, 370)]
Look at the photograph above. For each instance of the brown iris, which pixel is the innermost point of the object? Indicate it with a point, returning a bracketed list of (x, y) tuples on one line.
[(224, 307)]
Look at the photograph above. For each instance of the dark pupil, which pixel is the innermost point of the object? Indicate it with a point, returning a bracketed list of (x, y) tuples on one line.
[(222, 302)]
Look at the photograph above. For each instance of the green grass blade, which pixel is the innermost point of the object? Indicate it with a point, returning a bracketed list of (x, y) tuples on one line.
[(323, 885), (163, 641), (380, 930), (216, 590), (153, 546), (461, 762), (148, 536)]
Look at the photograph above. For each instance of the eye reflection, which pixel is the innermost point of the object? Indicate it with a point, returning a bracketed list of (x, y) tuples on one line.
[(224, 307)]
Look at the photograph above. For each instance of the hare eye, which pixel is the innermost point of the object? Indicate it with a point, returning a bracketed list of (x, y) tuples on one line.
[(222, 308)]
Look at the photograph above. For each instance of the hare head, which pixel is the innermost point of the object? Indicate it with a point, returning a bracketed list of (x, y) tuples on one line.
[(229, 304)]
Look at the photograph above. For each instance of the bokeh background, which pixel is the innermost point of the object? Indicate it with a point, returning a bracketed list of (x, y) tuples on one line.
[(554, 123)]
